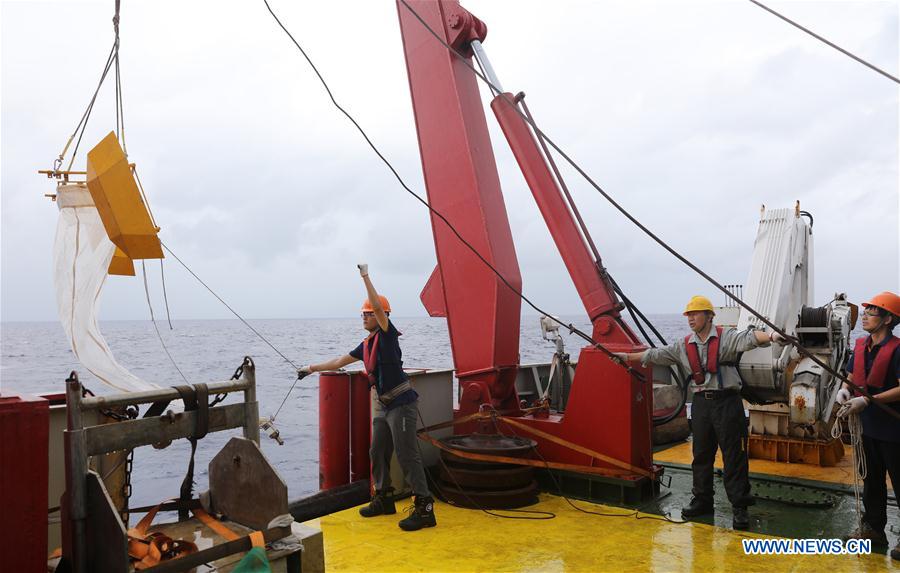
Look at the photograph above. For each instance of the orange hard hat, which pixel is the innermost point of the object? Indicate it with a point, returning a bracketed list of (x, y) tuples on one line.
[(887, 301), (367, 306)]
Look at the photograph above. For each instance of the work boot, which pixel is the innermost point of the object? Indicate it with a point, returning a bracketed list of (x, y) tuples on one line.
[(696, 508), (866, 531), (421, 515), (382, 504), (740, 519)]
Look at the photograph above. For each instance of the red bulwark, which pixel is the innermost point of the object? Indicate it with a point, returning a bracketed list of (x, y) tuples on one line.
[(24, 443), (334, 429), (360, 426)]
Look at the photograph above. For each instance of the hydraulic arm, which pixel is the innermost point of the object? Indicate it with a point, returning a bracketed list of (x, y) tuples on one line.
[(608, 410)]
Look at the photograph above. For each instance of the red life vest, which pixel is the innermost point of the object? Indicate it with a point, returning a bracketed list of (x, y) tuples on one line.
[(370, 356), (875, 377), (712, 356)]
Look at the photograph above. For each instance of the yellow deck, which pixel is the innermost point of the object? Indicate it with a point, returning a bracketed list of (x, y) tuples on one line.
[(842, 473), (468, 540)]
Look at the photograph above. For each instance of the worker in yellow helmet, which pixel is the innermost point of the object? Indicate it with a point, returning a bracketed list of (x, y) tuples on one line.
[(710, 354)]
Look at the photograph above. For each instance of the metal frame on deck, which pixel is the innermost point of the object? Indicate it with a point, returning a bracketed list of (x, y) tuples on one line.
[(86, 500)]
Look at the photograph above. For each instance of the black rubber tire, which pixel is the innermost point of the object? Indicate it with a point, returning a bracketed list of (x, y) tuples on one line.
[(487, 499), (513, 477)]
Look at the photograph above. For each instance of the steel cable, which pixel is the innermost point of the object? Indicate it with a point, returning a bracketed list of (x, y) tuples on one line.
[(570, 327), (832, 44), (234, 312), (156, 328)]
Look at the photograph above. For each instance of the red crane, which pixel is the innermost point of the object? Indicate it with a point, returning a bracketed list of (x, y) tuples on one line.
[(609, 410)]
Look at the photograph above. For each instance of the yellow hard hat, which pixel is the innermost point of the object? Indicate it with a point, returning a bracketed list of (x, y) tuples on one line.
[(698, 302)]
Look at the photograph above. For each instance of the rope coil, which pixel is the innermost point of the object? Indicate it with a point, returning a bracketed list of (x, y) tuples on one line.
[(860, 470)]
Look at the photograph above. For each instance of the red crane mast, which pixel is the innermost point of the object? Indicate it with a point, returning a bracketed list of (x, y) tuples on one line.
[(608, 410)]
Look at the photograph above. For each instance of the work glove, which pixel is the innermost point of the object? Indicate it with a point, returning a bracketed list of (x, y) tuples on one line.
[(304, 371), (843, 395), (363, 270), (853, 406)]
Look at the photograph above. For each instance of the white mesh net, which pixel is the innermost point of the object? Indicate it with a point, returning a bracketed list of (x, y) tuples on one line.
[(81, 256)]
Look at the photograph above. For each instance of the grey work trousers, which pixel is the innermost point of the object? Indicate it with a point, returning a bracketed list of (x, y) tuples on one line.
[(395, 429)]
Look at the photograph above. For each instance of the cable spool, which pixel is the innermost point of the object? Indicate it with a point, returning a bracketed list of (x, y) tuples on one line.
[(814, 316), (813, 326), (485, 484)]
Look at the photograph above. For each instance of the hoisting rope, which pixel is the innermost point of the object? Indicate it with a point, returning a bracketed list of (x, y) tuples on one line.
[(832, 44), (112, 58), (234, 312), (510, 101), (155, 327), (571, 328), (633, 310), (271, 419), (636, 315)]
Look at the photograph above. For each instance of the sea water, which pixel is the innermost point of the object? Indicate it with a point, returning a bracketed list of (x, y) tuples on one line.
[(35, 358)]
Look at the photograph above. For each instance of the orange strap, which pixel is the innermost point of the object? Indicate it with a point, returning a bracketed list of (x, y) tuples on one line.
[(149, 549), (257, 539), (423, 434), (609, 472), (216, 525), (577, 448)]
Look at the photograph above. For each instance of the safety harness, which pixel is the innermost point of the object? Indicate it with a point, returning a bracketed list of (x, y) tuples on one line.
[(370, 362), (875, 377)]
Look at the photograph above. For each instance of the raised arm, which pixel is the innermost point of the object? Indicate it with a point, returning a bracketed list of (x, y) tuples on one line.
[(374, 300)]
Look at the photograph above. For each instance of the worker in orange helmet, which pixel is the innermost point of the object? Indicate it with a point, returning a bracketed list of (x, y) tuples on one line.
[(710, 354), (875, 366), (396, 413)]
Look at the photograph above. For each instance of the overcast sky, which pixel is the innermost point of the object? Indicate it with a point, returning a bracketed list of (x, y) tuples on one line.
[(691, 114)]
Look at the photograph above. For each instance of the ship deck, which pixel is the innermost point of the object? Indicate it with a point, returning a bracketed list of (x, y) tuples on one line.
[(620, 540)]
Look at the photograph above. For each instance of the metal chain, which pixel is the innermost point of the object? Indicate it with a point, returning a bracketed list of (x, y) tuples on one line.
[(131, 412), (126, 487), (238, 372)]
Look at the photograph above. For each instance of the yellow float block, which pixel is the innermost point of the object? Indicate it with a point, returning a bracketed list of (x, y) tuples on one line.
[(118, 200), (121, 264), (468, 540)]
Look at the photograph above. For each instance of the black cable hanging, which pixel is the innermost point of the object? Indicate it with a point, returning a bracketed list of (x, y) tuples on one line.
[(789, 339), (570, 327), (832, 44), (636, 315)]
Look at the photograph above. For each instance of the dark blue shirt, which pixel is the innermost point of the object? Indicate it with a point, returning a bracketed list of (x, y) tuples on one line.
[(876, 422), (388, 366)]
